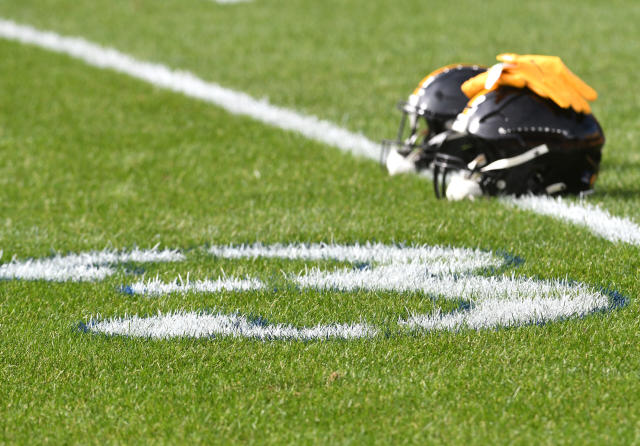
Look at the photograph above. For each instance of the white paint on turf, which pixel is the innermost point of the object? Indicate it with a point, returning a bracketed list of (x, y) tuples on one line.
[(513, 311), (199, 325), (597, 220), (156, 287), (435, 257), (95, 265), (190, 85), (438, 272)]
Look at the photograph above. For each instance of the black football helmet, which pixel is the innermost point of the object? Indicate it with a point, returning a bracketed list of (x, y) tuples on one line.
[(511, 141), (431, 109)]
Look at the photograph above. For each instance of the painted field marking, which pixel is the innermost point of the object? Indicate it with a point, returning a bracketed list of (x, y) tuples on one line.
[(597, 220), (89, 266), (235, 102), (441, 272), (184, 82), (454, 274), (207, 325), (155, 287)]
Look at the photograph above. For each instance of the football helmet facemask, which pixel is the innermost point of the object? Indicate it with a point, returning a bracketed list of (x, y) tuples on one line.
[(430, 110)]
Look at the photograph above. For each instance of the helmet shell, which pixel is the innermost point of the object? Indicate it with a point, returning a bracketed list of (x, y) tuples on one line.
[(507, 122), (438, 96), (430, 110), (516, 118)]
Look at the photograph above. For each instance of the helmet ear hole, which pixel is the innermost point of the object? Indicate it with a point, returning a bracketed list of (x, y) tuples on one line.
[(437, 126)]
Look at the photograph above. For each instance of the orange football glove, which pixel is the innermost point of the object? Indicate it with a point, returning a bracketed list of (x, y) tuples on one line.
[(547, 76)]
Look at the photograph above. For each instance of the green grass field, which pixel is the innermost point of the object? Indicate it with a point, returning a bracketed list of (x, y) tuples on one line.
[(93, 159)]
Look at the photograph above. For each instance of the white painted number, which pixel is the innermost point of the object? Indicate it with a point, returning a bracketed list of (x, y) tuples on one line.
[(449, 273)]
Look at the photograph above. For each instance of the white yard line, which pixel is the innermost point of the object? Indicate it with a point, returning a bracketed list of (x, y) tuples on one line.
[(599, 221), (190, 85)]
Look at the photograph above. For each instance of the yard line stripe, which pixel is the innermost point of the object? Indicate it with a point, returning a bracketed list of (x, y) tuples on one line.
[(205, 325), (190, 85), (595, 219)]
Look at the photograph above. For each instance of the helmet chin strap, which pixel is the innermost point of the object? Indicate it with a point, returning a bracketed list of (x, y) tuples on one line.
[(469, 186), (506, 163)]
